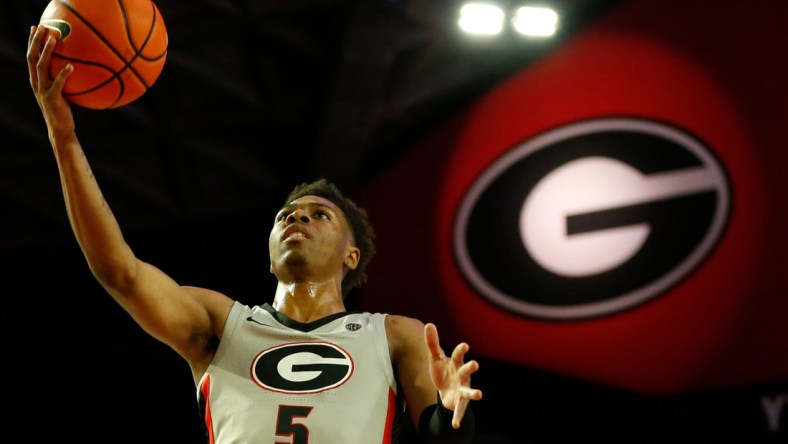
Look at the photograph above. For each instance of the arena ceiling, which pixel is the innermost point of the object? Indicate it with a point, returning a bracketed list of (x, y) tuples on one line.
[(255, 96)]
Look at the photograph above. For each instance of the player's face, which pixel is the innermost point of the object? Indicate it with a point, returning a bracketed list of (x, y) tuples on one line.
[(309, 234)]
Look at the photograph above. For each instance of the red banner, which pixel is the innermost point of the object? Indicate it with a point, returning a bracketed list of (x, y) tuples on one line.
[(615, 212)]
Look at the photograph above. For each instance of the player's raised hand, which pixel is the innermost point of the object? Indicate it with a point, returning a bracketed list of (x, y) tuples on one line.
[(49, 92), (451, 375)]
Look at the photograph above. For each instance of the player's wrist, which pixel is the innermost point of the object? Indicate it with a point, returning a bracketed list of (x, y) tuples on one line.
[(435, 425)]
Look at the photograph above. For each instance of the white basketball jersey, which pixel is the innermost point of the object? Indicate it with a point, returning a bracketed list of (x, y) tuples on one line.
[(274, 380)]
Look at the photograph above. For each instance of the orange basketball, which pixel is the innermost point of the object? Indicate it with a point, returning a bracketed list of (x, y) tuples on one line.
[(117, 47)]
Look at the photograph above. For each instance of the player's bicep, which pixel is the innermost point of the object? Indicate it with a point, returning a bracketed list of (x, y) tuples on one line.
[(175, 315)]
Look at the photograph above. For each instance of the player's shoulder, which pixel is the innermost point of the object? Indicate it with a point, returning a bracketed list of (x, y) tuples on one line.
[(403, 328), (401, 321)]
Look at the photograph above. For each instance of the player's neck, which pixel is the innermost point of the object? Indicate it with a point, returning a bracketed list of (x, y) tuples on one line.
[(308, 301)]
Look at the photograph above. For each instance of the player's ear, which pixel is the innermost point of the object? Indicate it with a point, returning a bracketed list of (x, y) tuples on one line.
[(352, 257)]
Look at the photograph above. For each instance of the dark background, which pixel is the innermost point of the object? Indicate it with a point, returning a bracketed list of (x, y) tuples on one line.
[(255, 97)]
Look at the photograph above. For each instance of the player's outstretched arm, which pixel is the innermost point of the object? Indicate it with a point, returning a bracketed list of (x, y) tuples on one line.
[(93, 223), (185, 318)]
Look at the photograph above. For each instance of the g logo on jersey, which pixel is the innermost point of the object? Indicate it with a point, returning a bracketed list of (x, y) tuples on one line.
[(303, 367), (591, 218)]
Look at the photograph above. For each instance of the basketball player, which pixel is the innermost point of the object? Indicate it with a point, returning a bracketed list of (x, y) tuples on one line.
[(300, 369)]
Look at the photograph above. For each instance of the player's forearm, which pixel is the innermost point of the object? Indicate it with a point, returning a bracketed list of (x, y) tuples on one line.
[(92, 221)]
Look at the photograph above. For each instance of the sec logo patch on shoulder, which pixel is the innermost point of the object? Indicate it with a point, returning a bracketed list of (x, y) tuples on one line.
[(353, 326), (591, 218)]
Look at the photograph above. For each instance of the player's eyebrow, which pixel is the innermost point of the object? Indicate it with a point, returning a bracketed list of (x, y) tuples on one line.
[(309, 205)]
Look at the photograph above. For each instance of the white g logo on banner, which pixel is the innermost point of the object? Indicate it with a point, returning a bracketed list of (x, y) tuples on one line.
[(591, 218)]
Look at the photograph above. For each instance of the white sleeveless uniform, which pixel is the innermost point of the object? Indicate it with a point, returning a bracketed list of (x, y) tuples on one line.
[(274, 380)]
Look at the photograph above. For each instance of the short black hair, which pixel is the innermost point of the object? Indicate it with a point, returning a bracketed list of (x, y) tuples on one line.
[(363, 233)]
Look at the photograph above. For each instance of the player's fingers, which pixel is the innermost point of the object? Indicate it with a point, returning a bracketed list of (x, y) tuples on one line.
[(458, 354), (468, 393), (466, 370), (34, 52), (34, 42), (42, 65), (61, 77), (459, 412), (433, 341)]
